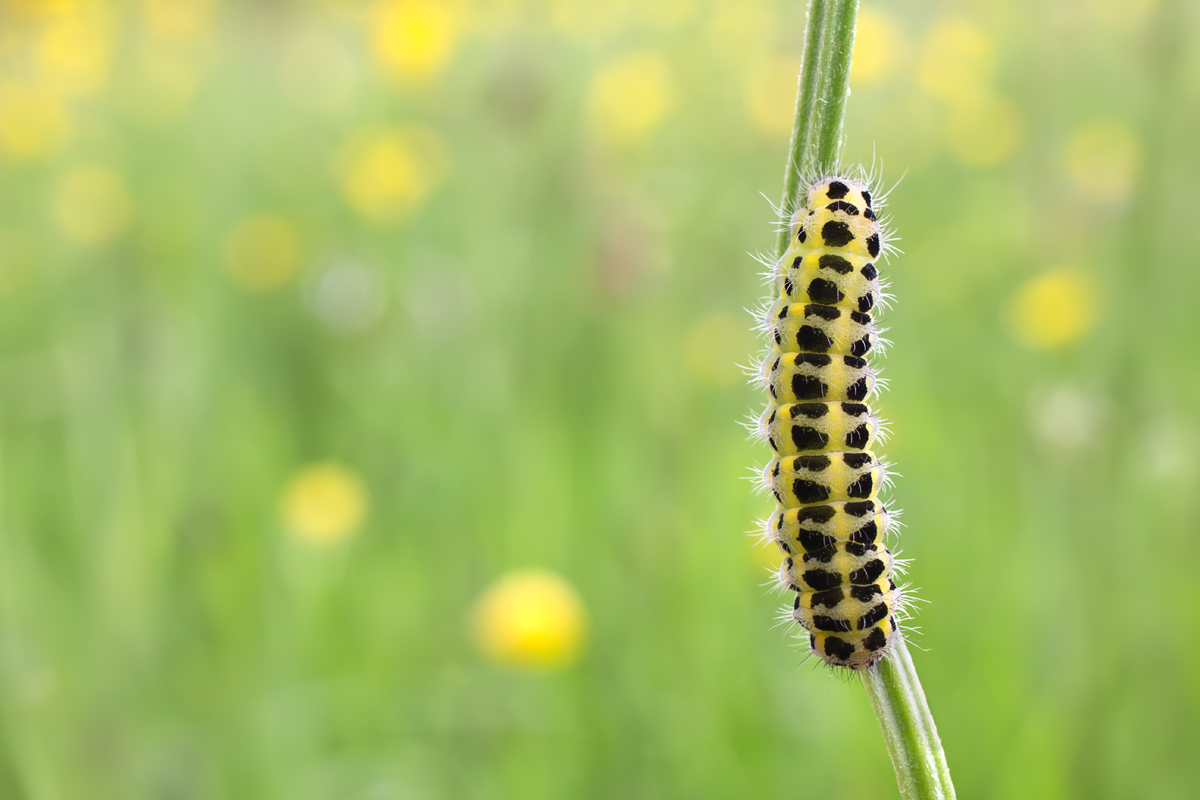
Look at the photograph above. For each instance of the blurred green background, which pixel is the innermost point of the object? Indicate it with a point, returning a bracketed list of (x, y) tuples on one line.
[(319, 318)]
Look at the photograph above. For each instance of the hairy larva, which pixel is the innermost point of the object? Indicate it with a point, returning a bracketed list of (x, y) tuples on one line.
[(824, 475)]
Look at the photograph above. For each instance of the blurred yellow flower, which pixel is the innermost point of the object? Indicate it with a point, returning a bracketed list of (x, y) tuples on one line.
[(262, 252), (386, 174), (319, 72), (413, 38), (72, 54), (1054, 309), (323, 503), (983, 131), (956, 61), (583, 20), (736, 29), (92, 204), (1104, 157), (531, 619), (178, 19), (33, 122), (630, 96), (45, 8), (771, 95), (876, 47), (714, 346)]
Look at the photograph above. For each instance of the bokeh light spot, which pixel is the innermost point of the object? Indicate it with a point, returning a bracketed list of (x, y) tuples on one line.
[(33, 123), (1104, 157), (386, 174), (413, 39), (956, 61), (72, 54), (92, 204), (983, 131), (347, 297), (530, 619), (323, 503), (262, 252), (630, 97), (876, 48), (771, 95), (1055, 309), (177, 19)]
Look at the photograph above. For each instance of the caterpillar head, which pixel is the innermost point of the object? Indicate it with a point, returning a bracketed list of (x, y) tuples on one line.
[(837, 214), (834, 189)]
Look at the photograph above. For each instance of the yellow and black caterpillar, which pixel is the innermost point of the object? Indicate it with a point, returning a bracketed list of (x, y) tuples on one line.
[(828, 520)]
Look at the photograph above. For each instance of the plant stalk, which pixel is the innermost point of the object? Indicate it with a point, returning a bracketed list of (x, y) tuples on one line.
[(821, 100), (912, 737), (893, 685)]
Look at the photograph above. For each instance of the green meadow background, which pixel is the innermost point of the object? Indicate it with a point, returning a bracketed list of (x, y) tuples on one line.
[(490, 260)]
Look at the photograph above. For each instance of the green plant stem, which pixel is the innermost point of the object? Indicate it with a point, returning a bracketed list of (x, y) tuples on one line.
[(893, 686), (908, 728), (821, 101)]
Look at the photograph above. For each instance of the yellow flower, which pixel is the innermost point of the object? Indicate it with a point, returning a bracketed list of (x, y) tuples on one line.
[(1104, 157), (42, 8), (984, 130), (771, 95), (262, 252), (413, 38), (876, 47), (386, 174), (92, 204), (956, 61), (33, 122), (1055, 309), (630, 97), (736, 29), (73, 54), (532, 619), (323, 503), (178, 19)]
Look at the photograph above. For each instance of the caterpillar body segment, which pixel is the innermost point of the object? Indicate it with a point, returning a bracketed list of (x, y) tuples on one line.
[(858, 650), (824, 475), (847, 281), (799, 377), (816, 328), (841, 610), (825, 571), (819, 427), (813, 528), (816, 478)]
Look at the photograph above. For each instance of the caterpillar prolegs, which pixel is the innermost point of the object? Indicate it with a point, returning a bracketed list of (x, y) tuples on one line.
[(828, 520)]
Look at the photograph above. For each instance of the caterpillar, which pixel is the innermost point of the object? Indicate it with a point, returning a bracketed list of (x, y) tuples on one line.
[(828, 521)]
